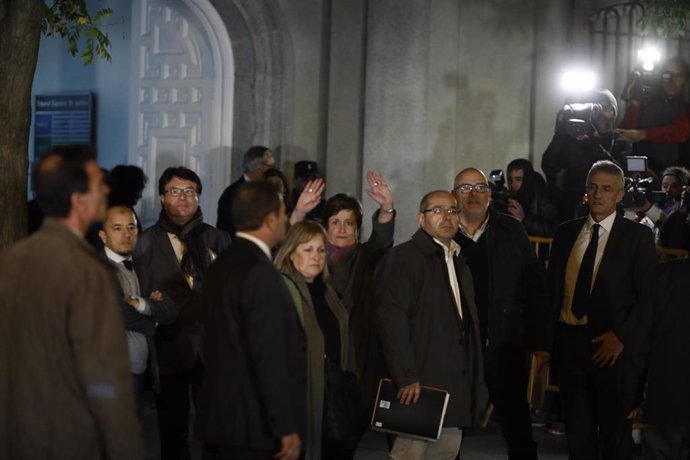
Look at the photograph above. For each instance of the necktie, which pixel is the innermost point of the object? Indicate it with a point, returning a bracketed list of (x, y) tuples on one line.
[(128, 265), (580, 305)]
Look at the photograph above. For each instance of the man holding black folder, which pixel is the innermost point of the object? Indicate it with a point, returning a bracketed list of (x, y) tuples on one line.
[(428, 326)]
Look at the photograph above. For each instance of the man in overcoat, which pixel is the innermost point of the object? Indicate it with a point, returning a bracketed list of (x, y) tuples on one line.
[(428, 326)]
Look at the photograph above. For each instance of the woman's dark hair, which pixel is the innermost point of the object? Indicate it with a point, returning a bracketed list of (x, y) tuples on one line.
[(126, 184), (341, 202), (59, 174), (252, 202), (182, 173)]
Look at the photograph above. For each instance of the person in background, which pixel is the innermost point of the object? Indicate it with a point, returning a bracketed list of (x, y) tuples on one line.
[(302, 260), (255, 162), (277, 177), (529, 201)]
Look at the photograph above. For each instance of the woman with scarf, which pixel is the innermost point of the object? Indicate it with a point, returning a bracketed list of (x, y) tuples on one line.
[(302, 260)]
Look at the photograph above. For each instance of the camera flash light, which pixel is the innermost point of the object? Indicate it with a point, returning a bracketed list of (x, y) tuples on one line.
[(648, 57), (578, 81)]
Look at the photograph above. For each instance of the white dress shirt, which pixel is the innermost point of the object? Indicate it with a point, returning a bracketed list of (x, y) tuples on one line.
[(449, 254)]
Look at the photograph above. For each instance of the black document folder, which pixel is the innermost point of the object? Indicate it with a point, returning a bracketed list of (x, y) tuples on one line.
[(422, 420)]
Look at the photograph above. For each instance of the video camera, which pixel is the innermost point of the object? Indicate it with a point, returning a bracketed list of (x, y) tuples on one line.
[(499, 192), (637, 188), (578, 119), (647, 83)]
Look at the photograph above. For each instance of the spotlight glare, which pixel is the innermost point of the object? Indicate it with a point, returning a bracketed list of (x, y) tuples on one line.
[(578, 81), (649, 57)]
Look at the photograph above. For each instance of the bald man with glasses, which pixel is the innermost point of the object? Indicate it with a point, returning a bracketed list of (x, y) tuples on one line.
[(512, 302)]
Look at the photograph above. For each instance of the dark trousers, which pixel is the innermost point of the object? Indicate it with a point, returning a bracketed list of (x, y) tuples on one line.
[(139, 381), (172, 404), (593, 405), (214, 451), (664, 442), (506, 371)]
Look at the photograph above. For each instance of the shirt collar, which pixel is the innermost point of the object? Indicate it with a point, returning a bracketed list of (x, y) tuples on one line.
[(262, 245), (454, 249), (606, 223), (114, 256), (480, 231)]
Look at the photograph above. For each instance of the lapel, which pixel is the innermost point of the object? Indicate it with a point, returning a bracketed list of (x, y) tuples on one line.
[(165, 246)]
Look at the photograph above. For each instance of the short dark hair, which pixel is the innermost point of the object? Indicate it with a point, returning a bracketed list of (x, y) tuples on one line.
[(679, 61), (252, 202), (341, 202), (126, 184), (252, 157), (59, 174), (678, 172), (181, 172)]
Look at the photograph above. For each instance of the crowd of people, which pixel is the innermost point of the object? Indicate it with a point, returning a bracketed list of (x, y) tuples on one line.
[(277, 324)]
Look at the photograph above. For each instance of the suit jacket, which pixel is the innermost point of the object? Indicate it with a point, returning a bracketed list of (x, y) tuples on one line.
[(667, 395), (254, 389), (65, 382), (178, 343), (225, 221), (162, 312), (424, 339), (619, 290)]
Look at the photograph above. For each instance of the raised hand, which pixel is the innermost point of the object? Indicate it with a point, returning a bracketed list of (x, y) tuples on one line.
[(379, 190), (308, 199)]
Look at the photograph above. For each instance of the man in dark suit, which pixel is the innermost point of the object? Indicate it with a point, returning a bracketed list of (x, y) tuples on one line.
[(252, 403), (599, 270), (255, 162), (177, 251), (65, 387), (142, 306), (666, 409)]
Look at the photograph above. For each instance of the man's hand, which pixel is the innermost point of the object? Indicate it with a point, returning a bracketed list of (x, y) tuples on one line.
[(308, 200), (409, 394), (633, 135), (541, 359), (156, 295), (632, 415), (515, 209), (134, 303), (607, 354), (289, 447)]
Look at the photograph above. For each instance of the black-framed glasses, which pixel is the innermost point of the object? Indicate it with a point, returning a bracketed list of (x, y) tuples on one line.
[(175, 191), (467, 188), (440, 210)]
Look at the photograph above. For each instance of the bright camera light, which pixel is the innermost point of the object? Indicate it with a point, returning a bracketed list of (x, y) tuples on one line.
[(578, 81), (648, 57)]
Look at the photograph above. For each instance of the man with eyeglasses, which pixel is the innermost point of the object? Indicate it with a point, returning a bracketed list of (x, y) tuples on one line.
[(658, 122), (512, 303), (428, 325), (255, 162), (178, 250)]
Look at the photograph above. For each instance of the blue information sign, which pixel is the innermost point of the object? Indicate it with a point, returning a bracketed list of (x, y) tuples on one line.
[(62, 119)]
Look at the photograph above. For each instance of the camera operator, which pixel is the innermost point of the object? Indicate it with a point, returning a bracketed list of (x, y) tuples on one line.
[(675, 230), (657, 118), (528, 201), (584, 135)]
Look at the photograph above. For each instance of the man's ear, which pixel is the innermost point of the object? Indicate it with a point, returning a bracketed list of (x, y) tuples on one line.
[(421, 219), (101, 235)]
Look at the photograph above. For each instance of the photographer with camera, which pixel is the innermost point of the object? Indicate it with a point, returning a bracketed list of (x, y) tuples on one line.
[(528, 201), (675, 230), (584, 134), (657, 118)]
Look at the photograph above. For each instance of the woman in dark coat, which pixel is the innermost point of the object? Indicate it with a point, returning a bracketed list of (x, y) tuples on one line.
[(302, 260)]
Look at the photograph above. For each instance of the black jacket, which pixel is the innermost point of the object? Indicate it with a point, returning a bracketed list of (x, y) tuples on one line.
[(178, 343), (518, 309), (424, 339), (225, 221), (254, 389)]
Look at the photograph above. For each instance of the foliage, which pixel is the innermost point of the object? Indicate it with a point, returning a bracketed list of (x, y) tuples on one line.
[(666, 16), (71, 20)]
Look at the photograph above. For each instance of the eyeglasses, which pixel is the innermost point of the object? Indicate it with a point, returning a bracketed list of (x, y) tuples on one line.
[(467, 188), (174, 191), (438, 210)]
